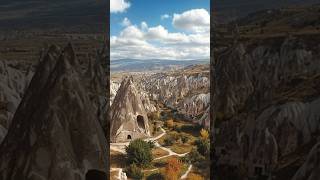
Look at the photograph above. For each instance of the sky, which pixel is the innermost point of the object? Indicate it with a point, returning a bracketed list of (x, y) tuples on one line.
[(160, 29)]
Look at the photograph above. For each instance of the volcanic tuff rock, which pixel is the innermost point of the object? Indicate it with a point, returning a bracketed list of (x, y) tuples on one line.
[(128, 116), (267, 102), (13, 83), (188, 93), (114, 86), (55, 133), (311, 168)]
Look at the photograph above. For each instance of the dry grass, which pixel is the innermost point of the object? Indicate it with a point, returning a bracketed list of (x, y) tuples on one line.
[(158, 152), (181, 148)]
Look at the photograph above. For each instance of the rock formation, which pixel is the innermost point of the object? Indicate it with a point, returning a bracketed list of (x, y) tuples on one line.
[(186, 92), (55, 132), (128, 116), (13, 83), (114, 86), (267, 105), (310, 169)]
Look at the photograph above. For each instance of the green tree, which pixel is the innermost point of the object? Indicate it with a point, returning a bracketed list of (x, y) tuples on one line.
[(139, 152), (203, 146), (134, 172), (195, 158)]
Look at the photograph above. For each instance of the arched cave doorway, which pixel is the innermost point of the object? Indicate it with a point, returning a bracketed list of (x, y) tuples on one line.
[(129, 137), (140, 120), (94, 174)]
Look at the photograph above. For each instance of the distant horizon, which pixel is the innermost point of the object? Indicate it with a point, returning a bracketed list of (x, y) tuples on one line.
[(229, 10), (160, 29), (202, 59)]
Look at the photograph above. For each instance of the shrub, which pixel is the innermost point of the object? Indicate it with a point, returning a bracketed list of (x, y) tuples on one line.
[(176, 128), (156, 176), (151, 144), (203, 146), (139, 152), (168, 141), (190, 128), (172, 169), (134, 172), (184, 139), (175, 136), (194, 156), (204, 134), (169, 123)]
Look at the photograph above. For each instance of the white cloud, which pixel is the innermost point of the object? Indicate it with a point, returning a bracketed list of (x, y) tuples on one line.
[(144, 25), (194, 20), (165, 16), (119, 6), (158, 32), (144, 42), (125, 22), (131, 32)]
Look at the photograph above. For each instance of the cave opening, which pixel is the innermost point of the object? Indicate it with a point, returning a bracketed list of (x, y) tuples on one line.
[(94, 174), (140, 120), (129, 137)]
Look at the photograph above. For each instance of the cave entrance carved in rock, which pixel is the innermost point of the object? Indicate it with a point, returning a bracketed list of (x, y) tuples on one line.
[(94, 174), (140, 120), (129, 137)]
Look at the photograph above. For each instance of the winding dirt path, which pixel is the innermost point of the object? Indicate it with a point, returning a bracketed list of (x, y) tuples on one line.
[(185, 175), (120, 147)]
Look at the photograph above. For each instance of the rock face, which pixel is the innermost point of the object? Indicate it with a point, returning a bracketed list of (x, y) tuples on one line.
[(55, 133), (13, 83), (311, 168), (267, 106), (114, 86), (186, 92), (128, 116)]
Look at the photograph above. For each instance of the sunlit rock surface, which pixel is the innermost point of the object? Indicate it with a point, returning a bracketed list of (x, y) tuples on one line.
[(128, 115)]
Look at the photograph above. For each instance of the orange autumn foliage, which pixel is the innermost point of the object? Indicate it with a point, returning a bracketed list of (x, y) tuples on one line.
[(172, 169)]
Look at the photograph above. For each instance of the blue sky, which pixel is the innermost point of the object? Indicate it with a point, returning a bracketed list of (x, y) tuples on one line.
[(150, 11), (184, 34)]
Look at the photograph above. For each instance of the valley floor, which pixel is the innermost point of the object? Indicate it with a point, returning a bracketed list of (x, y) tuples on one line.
[(161, 152)]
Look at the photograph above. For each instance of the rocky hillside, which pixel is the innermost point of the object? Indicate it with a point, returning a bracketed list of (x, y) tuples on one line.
[(14, 80), (56, 131), (114, 86), (185, 90), (267, 107)]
